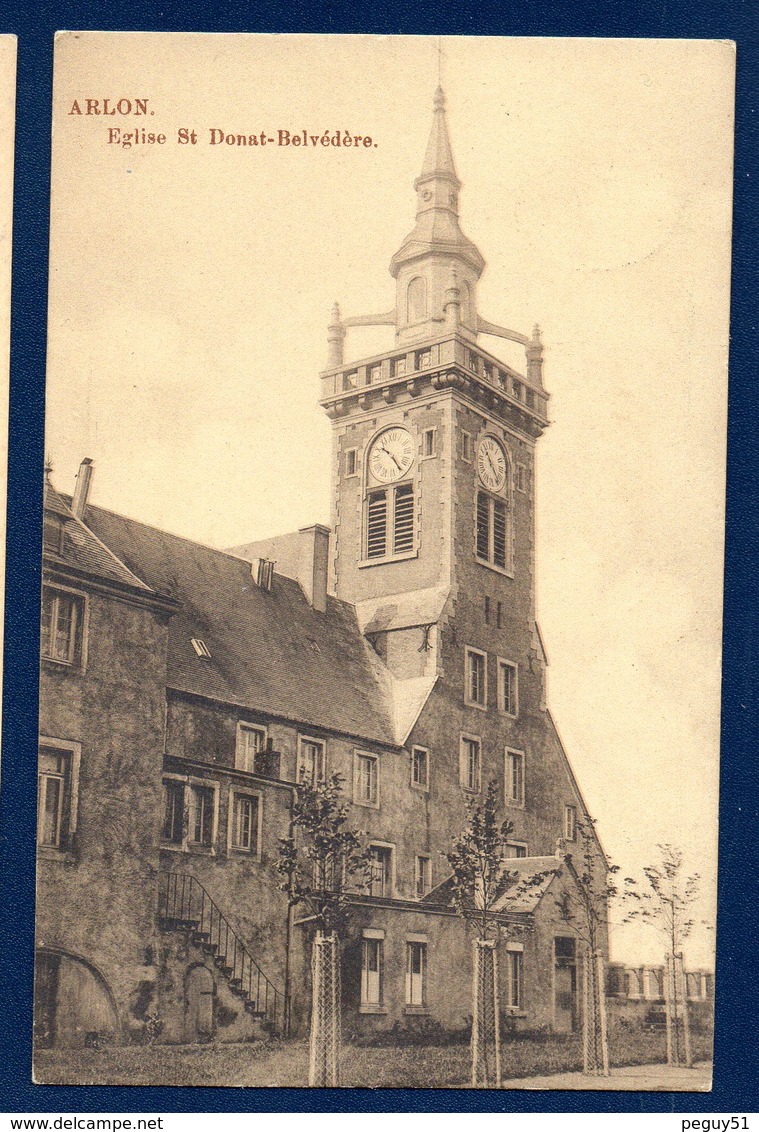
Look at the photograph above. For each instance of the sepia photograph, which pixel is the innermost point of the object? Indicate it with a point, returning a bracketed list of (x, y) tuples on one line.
[(383, 543)]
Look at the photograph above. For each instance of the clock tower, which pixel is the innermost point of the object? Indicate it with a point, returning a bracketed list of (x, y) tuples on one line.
[(433, 455)]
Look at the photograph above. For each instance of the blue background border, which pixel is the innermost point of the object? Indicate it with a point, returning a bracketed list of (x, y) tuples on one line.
[(738, 960)]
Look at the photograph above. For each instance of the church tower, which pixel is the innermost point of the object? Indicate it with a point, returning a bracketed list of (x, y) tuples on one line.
[(433, 456)]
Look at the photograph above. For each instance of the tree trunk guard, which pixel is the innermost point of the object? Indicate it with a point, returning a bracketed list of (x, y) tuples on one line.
[(595, 1045), (676, 1002), (486, 1041), (324, 1065)]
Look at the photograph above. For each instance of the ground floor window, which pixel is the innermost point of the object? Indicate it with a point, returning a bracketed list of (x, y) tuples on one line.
[(416, 973), (371, 972), (515, 979)]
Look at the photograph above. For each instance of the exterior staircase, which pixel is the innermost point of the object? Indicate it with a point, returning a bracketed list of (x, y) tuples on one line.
[(185, 905)]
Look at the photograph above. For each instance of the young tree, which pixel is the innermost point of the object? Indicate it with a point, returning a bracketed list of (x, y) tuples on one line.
[(667, 905), (476, 860), (586, 909), (480, 878), (319, 862)]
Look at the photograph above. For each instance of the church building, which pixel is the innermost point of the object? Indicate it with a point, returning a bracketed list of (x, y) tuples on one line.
[(185, 689)]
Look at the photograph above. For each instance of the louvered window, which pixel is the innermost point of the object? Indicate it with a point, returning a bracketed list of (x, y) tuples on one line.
[(483, 526), (499, 534), (377, 525), (492, 531), (403, 527), (390, 521)]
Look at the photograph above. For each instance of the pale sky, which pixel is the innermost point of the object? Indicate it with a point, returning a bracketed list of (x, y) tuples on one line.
[(191, 286)]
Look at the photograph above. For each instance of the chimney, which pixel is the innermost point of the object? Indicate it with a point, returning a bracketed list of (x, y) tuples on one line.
[(313, 565), (82, 489)]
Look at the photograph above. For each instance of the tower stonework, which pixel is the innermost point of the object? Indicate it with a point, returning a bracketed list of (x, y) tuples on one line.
[(434, 457)]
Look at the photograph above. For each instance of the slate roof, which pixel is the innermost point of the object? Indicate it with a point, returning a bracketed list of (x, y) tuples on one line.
[(80, 548), (271, 652)]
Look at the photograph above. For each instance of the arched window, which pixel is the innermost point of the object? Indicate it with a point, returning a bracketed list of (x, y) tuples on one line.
[(466, 303), (416, 300)]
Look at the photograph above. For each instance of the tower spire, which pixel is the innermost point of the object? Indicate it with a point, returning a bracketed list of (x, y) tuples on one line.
[(438, 160), (422, 264)]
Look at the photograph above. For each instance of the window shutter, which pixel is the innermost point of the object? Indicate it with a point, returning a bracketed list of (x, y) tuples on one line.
[(377, 525), (403, 539), (483, 526)]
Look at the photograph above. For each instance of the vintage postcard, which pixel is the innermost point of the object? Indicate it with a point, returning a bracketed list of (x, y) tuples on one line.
[(383, 540)]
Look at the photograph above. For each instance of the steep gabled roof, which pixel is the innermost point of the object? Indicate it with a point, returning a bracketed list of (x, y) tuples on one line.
[(271, 652), (78, 547)]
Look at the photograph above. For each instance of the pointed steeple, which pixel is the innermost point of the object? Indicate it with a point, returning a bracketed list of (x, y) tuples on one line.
[(422, 264), (438, 160)]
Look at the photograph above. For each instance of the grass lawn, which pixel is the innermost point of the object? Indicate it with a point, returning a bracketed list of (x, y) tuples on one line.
[(286, 1063)]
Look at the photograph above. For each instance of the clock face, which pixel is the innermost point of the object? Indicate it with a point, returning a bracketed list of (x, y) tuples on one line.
[(491, 464), (392, 455)]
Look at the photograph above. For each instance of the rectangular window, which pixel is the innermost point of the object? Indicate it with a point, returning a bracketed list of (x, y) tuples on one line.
[(521, 477), (375, 375), (62, 626), (473, 362), (499, 615), (487, 610), (470, 763), (312, 760), (424, 359), (366, 791), (420, 768), (570, 823), (501, 379), (251, 740), (514, 850), (422, 876), (487, 368), (350, 380), (371, 972), (399, 367), (515, 980), (245, 814), (476, 678), (381, 870), (516, 388), (53, 797), (416, 974), (466, 447), (492, 530), (202, 806), (530, 399), (507, 687), (351, 462), (428, 447), (173, 811), (515, 778)]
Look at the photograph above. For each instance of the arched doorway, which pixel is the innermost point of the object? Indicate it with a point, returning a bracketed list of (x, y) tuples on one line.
[(199, 1001), (73, 1004)]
